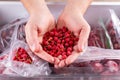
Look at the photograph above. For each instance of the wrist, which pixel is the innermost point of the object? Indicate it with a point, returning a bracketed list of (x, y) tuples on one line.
[(79, 5), (34, 6), (39, 10), (70, 8)]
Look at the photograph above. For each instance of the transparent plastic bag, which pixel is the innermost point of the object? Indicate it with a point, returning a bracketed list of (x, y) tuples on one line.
[(35, 67), (96, 37), (9, 72), (6, 32), (99, 60), (99, 38), (3, 61), (113, 27), (94, 61), (21, 61), (107, 40)]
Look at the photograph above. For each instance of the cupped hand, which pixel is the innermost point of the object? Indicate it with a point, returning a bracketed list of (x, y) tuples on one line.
[(75, 22), (39, 23)]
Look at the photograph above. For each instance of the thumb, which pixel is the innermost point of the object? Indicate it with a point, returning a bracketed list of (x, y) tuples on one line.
[(83, 37), (32, 38)]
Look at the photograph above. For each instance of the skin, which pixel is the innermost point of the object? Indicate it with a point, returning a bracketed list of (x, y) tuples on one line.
[(41, 20)]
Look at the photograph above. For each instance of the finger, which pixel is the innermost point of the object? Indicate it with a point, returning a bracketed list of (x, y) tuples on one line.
[(83, 37), (61, 64), (75, 48), (70, 59), (40, 38), (45, 56), (60, 23), (56, 62), (32, 41), (52, 25)]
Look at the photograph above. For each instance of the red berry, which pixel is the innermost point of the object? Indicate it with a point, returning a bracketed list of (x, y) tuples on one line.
[(61, 46), (71, 43), (22, 56), (66, 44), (65, 29), (64, 56), (63, 41), (64, 53), (15, 58), (56, 33), (60, 35), (67, 34), (68, 53), (20, 53), (56, 38), (59, 41), (76, 39), (69, 49), (19, 49), (52, 33), (67, 40), (49, 46)]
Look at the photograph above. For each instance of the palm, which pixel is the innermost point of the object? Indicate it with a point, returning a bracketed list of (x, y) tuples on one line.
[(35, 29), (78, 25)]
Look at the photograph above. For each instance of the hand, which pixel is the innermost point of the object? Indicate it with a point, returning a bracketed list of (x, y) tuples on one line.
[(39, 23), (75, 22)]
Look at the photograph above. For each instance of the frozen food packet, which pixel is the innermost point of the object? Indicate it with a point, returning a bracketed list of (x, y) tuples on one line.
[(108, 41), (116, 24), (94, 61), (99, 60), (97, 37), (113, 29)]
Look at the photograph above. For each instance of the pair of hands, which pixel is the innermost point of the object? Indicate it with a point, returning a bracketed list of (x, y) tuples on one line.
[(42, 21)]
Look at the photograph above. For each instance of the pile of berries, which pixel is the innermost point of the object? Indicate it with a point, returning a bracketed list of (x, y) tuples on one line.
[(59, 42), (22, 56)]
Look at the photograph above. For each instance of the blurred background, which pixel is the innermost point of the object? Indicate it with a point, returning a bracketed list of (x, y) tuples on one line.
[(62, 0)]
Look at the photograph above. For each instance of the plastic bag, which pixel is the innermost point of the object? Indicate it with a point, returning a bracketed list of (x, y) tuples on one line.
[(21, 61), (108, 36), (3, 61), (26, 66), (107, 40), (6, 32), (113, 27), (94, 61), (98, 37)]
